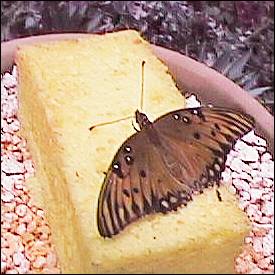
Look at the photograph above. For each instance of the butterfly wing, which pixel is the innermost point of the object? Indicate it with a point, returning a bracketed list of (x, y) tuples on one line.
[(196, 142), (137, 184), (158, 170)]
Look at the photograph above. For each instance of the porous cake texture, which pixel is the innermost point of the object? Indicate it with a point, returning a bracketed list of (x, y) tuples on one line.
[(67, 87)]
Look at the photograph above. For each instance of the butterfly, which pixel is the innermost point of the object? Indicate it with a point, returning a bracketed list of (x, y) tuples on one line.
[(167, 162)]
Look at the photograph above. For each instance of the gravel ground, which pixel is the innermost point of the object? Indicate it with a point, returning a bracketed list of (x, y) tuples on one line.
[(26, 245)]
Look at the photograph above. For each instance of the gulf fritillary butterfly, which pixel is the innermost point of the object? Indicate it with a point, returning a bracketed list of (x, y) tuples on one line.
[(163, 165)]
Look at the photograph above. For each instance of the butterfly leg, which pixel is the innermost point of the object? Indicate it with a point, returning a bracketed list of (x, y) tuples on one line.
[(218, 195), (137, 130)]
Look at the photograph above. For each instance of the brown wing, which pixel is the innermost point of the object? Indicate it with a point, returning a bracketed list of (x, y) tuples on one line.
[(136, 184), (196, 141), (148, 177)]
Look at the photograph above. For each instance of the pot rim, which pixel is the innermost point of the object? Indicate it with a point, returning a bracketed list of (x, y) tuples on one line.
[(208, 85)]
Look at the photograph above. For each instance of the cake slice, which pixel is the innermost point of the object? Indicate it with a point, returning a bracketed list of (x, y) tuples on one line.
[(67, 87)]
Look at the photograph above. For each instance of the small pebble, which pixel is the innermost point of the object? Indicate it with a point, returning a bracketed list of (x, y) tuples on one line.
[(251, 137), (250, 154), (243, 204), (24, 266), (7, 196), (264, 220), (268, 208), (266, 157), (31, 226), (12, 166), (21, 229), (3, 267), (39, 262), (241, 185), (267, 169), (236, 165), (268, 244), (256, 194), (40, 213), (21, 210), (264, 263), (226, 176), (12, 271), (244, 195), (18, 258), (267, 182), (258, 244), (7, 183), (255, 270), (248, 240)]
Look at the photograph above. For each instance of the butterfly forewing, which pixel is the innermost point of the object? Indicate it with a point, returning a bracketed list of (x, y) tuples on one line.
[(160, 167)]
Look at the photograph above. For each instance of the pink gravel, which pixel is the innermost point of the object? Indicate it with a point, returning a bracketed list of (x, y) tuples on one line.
[(26, 245), (250, 174)]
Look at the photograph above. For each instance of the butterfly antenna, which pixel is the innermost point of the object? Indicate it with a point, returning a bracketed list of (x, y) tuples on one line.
[(142, 85), (110, 122)]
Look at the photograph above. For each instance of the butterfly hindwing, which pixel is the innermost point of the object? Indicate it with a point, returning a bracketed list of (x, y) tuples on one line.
[(132, 190), (160, 167)]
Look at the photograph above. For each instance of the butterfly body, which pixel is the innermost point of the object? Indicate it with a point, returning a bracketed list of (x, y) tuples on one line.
[(166, 163), (142, 120), (148, 127)]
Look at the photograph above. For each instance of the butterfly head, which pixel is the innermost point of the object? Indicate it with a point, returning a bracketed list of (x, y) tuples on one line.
[(141, 119)]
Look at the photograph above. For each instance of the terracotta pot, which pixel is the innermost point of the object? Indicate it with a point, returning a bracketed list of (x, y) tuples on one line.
[(190, 75)]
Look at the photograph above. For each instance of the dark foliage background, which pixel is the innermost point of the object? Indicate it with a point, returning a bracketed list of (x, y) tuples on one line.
[(236, 38)]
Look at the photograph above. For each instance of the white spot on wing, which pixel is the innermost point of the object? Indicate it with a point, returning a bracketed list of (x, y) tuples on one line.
[(185, 119), (217, 167), (173, 199), (176, 117), (165, 204), (211, 173), (220, 160)]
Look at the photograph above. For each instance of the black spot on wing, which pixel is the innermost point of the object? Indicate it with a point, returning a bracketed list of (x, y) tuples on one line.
[(197, 135), (217, 126), (126, 193), (142, 173), (201, 115)]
